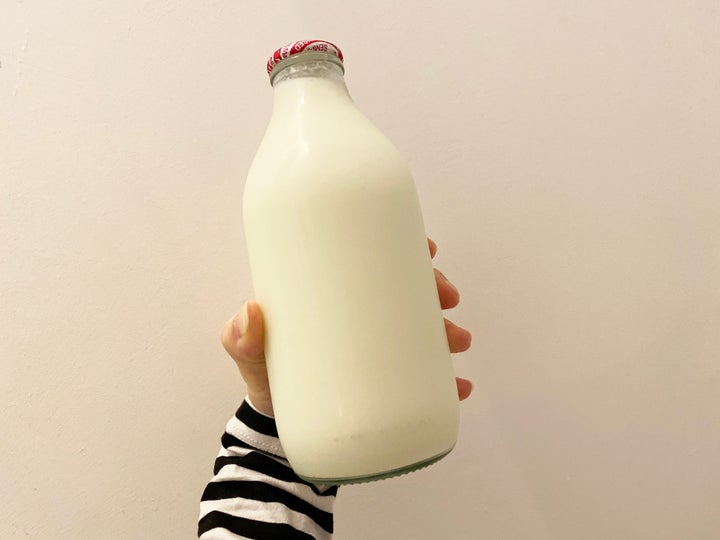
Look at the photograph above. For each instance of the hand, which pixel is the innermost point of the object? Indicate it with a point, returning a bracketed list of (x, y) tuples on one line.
[(459, 339), (243, 338)]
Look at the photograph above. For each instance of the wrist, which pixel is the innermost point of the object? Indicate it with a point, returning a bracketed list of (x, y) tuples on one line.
[(261, 404)]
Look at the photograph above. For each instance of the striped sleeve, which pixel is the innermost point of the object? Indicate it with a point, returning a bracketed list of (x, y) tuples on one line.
[(255, 494)]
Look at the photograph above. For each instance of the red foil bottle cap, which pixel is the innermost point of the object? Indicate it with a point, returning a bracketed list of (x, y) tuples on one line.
[(301, 48)]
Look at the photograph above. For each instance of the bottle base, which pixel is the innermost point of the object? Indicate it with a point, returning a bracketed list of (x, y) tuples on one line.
[(378, 476)]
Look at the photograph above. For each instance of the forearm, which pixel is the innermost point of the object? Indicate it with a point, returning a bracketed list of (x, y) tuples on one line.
[(255, 493)]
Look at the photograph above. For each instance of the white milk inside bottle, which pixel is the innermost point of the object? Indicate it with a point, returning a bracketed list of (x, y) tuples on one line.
[(360, 373)]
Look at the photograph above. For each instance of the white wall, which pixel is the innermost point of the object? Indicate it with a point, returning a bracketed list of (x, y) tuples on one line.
[(567, 156)]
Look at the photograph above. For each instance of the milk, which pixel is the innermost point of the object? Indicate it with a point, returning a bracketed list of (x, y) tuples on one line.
[(360, 372)]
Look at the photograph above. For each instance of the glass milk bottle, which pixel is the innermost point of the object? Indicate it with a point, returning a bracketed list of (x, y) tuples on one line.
[(358, 360)]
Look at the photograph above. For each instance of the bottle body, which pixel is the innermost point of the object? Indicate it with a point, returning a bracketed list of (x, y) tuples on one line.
[(360, 372)]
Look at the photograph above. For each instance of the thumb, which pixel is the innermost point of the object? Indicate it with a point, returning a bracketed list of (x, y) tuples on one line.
[(243, 336)]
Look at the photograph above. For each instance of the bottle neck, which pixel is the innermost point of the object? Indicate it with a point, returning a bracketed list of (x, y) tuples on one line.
[(308, 84)]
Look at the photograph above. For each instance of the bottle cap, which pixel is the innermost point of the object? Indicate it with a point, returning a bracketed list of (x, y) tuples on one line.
[(302, 51)]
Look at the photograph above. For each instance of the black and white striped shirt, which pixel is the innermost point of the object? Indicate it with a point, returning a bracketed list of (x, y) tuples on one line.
[(255, 494)]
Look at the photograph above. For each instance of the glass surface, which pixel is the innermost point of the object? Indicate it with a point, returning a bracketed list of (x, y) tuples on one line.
[(379, 476)]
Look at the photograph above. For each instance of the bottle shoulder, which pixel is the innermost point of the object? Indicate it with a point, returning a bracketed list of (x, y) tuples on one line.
[(345, 143)]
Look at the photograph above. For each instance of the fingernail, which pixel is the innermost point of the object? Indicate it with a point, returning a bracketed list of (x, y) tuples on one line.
[(241, 321)]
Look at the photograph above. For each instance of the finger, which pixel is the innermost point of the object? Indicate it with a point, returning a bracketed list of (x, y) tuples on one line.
[(433, 248), (243, 336), (464, 388), (459, 339), (243, 339), (448, 293)]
